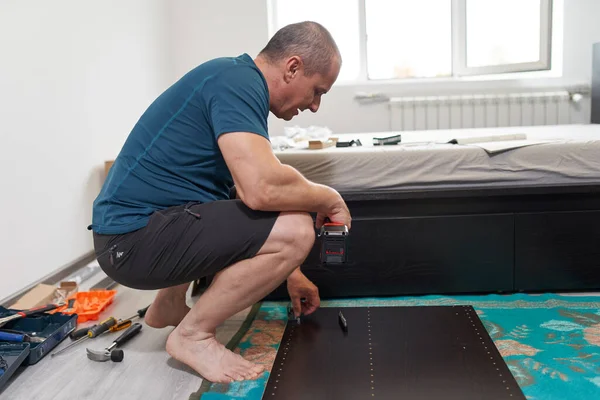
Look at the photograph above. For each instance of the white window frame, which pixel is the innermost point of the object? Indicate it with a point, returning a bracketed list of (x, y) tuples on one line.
[(459, 43)]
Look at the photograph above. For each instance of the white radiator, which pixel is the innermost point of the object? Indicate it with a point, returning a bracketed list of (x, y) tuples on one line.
[(488, 110)]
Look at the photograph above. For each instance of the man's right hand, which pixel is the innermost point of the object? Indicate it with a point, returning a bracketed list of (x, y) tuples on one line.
[(338, 214)]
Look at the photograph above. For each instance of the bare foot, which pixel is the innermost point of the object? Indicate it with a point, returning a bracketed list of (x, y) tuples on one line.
[(168, 309), (210, 358)]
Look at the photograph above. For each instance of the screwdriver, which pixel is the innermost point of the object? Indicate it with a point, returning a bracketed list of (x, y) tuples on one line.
[(92, 332), (139, 313), (79, 333), (126, 323), (120, 325)]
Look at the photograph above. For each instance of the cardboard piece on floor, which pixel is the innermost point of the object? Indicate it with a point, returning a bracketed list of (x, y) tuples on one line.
[(66, 289), (43, 294), (441, 352)]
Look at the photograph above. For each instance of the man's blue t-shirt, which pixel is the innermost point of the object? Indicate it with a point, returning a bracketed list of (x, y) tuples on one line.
[(171, 156)]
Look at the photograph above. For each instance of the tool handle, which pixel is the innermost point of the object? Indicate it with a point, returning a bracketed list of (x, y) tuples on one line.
[(129, 333), (37, 310), (11, 337), (120, 325), (139, 313), (102, 327), (142, 312), (79, 333)]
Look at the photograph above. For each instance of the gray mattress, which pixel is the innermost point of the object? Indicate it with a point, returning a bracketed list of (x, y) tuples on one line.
[(425, 160)]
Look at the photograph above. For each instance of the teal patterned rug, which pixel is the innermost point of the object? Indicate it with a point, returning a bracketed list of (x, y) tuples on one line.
[(551, 343)]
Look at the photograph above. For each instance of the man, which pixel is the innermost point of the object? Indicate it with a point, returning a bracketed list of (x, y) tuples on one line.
[(164, 217)]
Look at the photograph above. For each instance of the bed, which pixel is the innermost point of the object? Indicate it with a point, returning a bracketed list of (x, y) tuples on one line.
[(434, 217)]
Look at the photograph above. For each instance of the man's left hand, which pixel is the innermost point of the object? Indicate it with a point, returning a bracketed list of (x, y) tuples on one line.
[(299, 287)]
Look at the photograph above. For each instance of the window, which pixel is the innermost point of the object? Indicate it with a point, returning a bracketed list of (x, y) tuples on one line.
[(397, 39), (504, 36), (407, 40)]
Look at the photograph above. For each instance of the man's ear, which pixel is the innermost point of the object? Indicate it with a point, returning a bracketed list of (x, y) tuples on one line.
[(293, 67)]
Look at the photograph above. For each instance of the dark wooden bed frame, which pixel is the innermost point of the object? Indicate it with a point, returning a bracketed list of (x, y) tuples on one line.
[(472, 240)]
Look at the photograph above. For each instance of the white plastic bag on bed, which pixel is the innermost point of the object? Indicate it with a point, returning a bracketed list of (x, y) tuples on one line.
[(299, 134), (282, 143)]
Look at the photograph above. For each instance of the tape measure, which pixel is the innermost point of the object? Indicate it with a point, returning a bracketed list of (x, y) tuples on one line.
[(333, 243)]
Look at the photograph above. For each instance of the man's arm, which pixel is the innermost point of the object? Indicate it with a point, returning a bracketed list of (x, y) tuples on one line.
[(264, 183)]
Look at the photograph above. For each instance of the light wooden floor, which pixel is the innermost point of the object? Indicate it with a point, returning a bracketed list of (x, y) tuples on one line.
[(147, 371)]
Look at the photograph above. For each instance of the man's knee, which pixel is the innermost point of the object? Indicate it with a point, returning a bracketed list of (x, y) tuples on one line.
[(306, 234), (297, 234)]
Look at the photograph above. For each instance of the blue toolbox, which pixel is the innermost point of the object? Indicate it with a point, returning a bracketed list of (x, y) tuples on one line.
[(26, 340)]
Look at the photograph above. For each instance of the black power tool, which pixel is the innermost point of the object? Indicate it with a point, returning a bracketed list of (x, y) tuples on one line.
[(333, 243)]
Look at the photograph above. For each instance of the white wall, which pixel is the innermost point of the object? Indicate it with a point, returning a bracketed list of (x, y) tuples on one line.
[(196, 42), (74, 78), (201, 30)]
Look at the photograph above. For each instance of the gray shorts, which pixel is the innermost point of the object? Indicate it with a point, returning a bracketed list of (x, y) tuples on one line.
[(184, 243)]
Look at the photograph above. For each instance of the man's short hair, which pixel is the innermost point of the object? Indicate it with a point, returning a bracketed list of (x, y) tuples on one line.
[(309, 40)]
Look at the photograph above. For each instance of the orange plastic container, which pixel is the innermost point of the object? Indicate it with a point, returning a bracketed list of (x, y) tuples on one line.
[(88, 305)]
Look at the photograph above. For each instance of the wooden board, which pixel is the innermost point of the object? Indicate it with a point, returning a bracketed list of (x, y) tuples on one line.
[(390, 353), (322, 144)]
